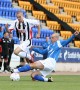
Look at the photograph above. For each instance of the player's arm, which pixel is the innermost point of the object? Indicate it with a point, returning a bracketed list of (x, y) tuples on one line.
[(65, 42), (41, 51), (12, 26), (36, 23), (6, 27), (38, 35)]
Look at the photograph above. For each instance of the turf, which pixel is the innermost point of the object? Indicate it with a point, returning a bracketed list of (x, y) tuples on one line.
[(62, 82)]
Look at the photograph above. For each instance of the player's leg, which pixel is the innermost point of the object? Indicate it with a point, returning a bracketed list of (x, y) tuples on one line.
[(22, 63), (0, 57), (0, 62), (46, 64), (18, 51), (27, 67), (5, 63), (22, 50), (49, 66), (36, 75)]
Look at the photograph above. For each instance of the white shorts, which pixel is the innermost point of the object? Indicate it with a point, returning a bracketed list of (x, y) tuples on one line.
[(25, 45), (49, 66)]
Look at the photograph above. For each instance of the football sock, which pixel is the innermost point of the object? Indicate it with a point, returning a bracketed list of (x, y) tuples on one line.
[(39, 78), (5, 66), (15, 71), (23, 69), (45, 79), (32, 52), (28, 56), (24, 55)]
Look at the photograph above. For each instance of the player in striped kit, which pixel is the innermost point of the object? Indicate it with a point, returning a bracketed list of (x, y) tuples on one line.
[(24, 33)]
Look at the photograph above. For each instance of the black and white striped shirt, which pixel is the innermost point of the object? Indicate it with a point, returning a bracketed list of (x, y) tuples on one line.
[(26, 26)]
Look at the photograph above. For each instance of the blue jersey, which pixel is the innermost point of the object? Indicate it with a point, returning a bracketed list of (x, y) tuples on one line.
[(45, 45), (54, 49)]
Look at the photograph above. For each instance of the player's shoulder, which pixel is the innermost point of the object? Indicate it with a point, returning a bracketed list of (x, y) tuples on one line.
[(15, 20), (25, 19), (33, 21), (58, 41)]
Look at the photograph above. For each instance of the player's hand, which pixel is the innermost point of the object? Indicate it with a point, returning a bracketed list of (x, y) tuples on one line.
[(38, 36), (21, 31), (76, 32)]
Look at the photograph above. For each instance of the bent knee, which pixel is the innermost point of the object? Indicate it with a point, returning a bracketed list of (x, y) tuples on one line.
[(35, 73), (15, 52), (32, 75)]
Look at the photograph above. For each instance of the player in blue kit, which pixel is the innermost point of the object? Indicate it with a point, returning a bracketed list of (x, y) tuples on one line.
[(46, 66)]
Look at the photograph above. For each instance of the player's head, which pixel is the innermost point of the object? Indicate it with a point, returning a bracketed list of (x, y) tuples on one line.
[(19, 16), (47, 38), (54, 37), (6, 35)]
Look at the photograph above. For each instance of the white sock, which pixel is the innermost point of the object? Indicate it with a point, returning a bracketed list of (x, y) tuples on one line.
[(32, 52), (16, 70), (45, 79), (28, 56), (24, 55)]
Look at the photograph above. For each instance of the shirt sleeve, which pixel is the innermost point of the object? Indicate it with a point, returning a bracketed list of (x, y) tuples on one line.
[(65, 42), (33, 22), (41, 51), (36, 22)]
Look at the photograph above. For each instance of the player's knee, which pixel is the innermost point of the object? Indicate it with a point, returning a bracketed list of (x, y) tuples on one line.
[(32, 75), (15, 52), (33, 65)]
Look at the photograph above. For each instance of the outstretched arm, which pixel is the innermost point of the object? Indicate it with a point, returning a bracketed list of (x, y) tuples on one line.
[(65, 42), (35, 23), (41, 51), (38, 35)]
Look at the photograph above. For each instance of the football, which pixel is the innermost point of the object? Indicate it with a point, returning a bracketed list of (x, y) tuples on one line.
[(15, 77)]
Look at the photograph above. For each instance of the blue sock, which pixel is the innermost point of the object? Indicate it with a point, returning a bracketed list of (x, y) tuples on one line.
[(38, 77), (24, 68)]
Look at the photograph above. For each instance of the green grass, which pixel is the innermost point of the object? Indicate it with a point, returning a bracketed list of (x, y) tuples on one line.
[(62, 82)]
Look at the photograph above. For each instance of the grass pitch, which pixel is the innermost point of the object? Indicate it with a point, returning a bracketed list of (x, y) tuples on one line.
[(61, 82)]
